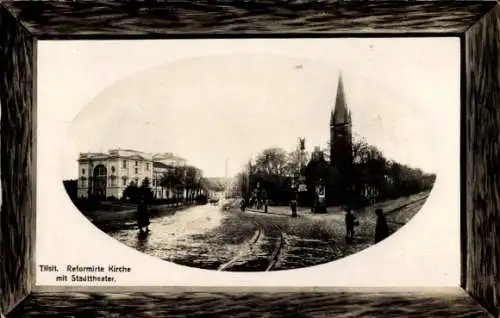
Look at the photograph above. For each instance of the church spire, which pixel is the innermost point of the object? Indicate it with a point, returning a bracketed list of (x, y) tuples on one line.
[(340, 115)]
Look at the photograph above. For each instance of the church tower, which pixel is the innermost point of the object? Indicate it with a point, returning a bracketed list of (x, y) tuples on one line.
[(341, 157)]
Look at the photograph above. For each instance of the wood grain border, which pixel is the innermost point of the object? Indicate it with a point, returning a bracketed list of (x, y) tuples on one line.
[(477, 23)]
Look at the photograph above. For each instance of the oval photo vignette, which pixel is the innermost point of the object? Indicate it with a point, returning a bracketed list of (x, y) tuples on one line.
[(248, 162)]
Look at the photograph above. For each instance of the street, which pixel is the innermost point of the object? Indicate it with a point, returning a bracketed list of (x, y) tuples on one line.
[(209, 237)]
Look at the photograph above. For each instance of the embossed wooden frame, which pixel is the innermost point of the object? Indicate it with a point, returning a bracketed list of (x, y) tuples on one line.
[(476, 23)]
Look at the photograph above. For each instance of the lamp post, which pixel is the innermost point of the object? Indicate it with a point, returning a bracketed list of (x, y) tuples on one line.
[(248, 192), (302, 147), (293, 203)]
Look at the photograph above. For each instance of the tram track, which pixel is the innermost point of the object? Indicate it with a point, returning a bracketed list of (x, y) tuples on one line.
[(277, 251), (268, 233), (405, 206), (272, 248), (255, 238)]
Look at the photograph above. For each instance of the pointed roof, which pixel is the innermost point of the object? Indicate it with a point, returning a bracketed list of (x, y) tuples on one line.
[(340, 115)]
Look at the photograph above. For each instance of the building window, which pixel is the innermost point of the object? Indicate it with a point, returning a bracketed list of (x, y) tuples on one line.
[(124, 163), (137, 181), (124, 181), (83, 182), (100, 171), (136, 171), (83, 171), (136, 163), (112, 169), (147, 166)]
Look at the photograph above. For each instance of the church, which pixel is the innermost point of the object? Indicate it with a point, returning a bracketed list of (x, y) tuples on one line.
[(335, 174), (341, 156)]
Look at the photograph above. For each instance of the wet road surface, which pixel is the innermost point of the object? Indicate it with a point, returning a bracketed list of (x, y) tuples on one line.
[(210, 237)]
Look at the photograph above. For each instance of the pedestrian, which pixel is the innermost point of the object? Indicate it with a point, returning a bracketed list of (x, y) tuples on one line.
[(350, 223), (293, 205), (381, 229), (242, 205), (143, 215)]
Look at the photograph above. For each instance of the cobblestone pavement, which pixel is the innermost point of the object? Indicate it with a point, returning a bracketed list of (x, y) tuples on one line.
[(213, 238)]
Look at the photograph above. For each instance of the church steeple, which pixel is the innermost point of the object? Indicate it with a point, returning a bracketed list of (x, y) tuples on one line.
[(341, 158), (340, 115)]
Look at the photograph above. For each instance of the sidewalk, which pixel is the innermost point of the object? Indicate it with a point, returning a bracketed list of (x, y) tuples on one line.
[(280, 210), (128, 215), (389, 207)]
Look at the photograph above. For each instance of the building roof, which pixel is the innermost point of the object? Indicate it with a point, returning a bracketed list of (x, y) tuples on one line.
[(157, 164), (85, 157), (129, 150), (93, 154), (167, 155), (132, 155)]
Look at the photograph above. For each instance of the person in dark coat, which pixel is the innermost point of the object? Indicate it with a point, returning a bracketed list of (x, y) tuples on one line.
[(242, 205), (381, 229), (350, 223), (293, 206), (143, 215)]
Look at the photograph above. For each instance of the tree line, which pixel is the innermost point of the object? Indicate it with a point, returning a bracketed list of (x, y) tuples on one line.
[(376, 178), (270, 175), (275, 174)]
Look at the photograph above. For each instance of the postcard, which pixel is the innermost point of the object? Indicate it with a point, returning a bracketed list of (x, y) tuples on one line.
[(248, 162)]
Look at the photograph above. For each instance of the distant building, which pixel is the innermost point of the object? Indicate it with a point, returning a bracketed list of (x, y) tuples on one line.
[(233, 188), (162, 164), (104, 175), (160, 191), (216, 188)]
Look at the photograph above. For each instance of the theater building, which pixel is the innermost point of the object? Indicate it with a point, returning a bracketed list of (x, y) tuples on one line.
[(105, 175)]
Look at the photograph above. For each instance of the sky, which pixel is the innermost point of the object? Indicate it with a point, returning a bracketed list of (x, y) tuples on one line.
[(215, 100)]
